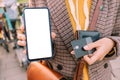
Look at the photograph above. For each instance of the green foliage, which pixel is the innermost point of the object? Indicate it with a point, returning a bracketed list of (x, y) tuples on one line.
[(22, 1)]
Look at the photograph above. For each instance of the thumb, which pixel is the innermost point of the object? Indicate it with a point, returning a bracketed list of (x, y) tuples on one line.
[(90, 46)]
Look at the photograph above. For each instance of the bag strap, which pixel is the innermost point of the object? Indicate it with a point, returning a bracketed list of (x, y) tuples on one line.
[(95, 15), (79, 68)]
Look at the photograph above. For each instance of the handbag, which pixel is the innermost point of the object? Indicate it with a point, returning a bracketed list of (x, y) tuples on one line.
[(40, 71)]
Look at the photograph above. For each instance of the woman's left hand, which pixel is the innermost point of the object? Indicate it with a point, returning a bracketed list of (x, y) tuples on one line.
[(103, 47)]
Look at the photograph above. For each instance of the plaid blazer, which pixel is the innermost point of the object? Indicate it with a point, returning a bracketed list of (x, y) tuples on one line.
[(108, 24)]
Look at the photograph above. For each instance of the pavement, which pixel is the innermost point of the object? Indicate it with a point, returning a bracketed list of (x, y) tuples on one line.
[(12, 69)]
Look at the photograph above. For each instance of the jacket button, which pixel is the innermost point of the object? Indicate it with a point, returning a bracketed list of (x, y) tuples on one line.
[(105, 65), (59, 67)]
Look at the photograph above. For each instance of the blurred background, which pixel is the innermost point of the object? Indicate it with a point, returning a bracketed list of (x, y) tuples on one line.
[(13, 62)]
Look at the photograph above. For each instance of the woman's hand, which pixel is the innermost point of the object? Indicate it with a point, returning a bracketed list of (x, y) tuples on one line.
[(53, 36), (102, 46), (22, 39)]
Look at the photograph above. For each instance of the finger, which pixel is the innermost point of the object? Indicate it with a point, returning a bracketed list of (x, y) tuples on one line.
[(95, 57), (89, 60), (21, 37), (90, 46), (101, 59), (72, 52), (22, 28), (53, 35), (90, 55), (21, 43)]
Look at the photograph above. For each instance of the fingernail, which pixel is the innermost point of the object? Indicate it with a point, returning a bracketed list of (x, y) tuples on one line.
[(23, 42), (72, 52), (86, 47)]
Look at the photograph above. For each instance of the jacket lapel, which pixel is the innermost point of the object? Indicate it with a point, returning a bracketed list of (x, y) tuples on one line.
[(102, 14), (61, 21), (107, 15)]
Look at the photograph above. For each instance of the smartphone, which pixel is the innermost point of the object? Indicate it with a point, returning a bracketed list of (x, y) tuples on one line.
[(38, 33)]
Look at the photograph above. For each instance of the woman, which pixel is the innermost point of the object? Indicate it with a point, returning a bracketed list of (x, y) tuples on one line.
[(107, 24)]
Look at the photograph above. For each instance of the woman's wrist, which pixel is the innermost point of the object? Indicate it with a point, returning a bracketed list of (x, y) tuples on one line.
[(113, 50)]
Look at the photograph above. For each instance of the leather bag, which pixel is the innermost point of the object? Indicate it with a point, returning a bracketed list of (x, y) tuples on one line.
[(40, 71)]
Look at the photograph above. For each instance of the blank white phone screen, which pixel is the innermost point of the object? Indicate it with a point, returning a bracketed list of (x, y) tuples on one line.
[(37, 26)]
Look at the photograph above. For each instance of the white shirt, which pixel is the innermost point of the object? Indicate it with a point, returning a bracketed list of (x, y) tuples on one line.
[(11, 8)]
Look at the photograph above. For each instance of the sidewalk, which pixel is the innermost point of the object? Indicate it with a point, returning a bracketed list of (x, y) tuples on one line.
[(9, 67)]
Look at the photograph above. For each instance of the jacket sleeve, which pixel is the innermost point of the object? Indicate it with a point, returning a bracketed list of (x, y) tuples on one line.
[(37, 3), (116, 32)]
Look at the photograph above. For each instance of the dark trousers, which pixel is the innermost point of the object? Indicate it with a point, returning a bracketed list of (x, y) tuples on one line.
[(7, 33), (14, 34)]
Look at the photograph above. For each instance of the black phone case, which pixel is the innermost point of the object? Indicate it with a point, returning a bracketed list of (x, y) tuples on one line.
[(26, 35)]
